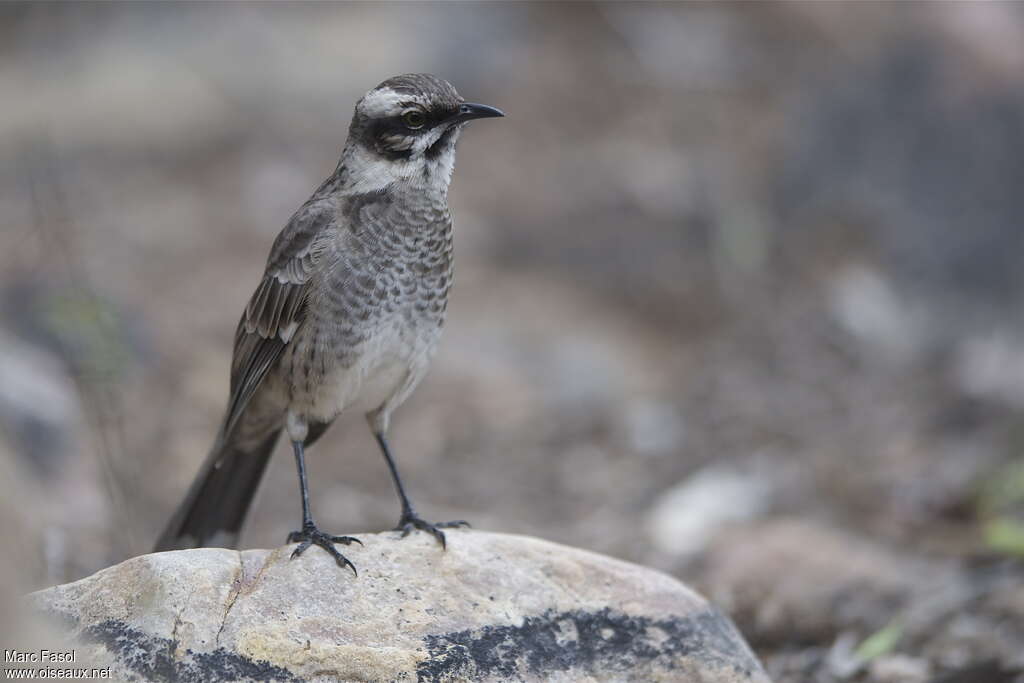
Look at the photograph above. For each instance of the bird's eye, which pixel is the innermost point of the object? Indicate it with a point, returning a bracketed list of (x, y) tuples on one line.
[(414, 119)]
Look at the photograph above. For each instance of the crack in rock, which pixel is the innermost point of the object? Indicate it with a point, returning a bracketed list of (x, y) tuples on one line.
[(240, 585), (177, 622), (236, 590)]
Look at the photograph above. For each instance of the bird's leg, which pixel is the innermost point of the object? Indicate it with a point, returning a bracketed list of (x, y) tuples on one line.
[(410, 520), (310, 534)]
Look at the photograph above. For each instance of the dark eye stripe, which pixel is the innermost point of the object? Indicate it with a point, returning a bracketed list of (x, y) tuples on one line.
[(377, 130), (431, 118)]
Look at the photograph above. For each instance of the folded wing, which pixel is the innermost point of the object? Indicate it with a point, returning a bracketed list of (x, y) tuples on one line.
[(278, 306)]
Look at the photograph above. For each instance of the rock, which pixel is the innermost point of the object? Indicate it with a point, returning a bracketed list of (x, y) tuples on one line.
[(900, 669), (38, 403), (791, 579), (688, 516), (493, 607)]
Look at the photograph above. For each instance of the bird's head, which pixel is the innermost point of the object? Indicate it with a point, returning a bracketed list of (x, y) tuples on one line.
[(407, 128)]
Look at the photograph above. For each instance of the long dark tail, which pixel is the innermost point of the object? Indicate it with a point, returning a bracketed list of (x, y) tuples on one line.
[(214, 510)]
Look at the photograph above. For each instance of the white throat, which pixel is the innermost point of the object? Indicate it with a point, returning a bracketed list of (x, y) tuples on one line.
[(367, 171)]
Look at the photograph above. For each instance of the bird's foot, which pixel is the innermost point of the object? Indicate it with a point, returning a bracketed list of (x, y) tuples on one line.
[(410, 520), (310, 535)]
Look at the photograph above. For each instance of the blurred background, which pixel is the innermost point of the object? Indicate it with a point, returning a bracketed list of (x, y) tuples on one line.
[(738, 296)]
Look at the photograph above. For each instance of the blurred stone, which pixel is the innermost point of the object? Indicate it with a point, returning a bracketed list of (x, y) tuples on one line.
[(842, 661), (789, 580), (868, 307), (899, 669), (493, 607), (990, 365), (683, 520), (38, 403)]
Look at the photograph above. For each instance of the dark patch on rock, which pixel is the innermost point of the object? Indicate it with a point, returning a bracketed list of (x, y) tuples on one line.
[(602, 641), (153, 658)]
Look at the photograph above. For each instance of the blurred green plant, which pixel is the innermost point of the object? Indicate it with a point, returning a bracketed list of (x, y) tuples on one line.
[(881, 642), (1005, 535), (89, 332), (1000, 505)]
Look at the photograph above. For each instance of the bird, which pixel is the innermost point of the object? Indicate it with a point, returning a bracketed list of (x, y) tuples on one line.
[(347, 315)]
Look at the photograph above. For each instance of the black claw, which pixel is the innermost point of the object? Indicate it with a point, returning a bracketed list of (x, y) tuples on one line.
[(411, 521), (346, 540), (439, 535), (310, 535)]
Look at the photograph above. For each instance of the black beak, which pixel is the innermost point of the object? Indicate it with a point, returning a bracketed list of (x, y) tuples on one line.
[(469, 111)]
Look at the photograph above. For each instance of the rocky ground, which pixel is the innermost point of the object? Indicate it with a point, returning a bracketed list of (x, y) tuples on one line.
[(737, 297)]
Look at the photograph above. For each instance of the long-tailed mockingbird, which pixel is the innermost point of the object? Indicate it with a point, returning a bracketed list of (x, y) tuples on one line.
[(348, 313)]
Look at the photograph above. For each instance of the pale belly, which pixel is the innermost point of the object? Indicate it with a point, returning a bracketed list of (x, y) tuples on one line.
[(387, 368)]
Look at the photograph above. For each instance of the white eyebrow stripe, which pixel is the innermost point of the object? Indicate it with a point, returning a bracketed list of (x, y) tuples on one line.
[(383, 102)]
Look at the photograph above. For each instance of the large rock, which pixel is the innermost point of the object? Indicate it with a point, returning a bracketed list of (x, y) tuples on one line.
[(493, 607)]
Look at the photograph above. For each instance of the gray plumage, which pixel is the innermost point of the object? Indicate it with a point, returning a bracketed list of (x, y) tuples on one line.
[(350, 308)]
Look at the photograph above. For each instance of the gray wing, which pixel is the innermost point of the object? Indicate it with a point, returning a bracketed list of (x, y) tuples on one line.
[(278, 306)]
